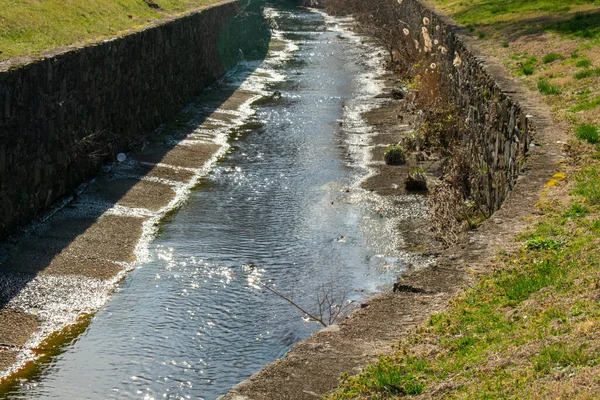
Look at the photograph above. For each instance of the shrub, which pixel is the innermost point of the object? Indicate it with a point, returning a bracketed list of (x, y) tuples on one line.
[(505, 44), (588, 133), (416, 181), (547, 88), (550, 57), (394, 155)]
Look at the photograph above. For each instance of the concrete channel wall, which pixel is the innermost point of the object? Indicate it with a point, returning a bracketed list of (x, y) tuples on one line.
[(497, 130), (65, 115)]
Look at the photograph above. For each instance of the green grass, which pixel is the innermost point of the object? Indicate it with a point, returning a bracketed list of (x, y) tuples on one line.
[(542, 243), (28, 27), (585, 25), (588, 186), (526, 329), (548, 88), (577, 211), (560, 355), (584, 63), (394, 155), (528, 67), (524, 16), (588, 133), (551, 57)]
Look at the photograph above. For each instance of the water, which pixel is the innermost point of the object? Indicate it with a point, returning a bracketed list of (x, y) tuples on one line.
[(285, 208)]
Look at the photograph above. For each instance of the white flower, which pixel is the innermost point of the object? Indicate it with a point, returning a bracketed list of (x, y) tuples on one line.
[(432, 66), (406, 31), (425, 21)]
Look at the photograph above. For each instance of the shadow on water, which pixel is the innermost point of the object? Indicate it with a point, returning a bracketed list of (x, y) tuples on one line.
[(44, 243)]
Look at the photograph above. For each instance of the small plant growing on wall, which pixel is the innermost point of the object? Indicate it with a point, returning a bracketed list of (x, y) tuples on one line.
[(394, 155)]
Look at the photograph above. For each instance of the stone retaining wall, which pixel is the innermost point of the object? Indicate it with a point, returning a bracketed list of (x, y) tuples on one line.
[(63, 116), (495, 129)]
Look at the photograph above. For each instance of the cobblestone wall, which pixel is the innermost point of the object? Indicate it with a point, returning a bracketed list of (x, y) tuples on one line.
[(496, 131), (63, 116)]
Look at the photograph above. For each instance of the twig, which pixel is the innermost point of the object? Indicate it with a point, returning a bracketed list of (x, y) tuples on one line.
[(292, 302)]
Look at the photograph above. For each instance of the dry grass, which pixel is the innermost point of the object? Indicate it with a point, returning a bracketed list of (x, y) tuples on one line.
[(28, 27)]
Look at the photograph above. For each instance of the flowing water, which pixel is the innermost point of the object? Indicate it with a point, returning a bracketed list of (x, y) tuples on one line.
[(284, 207)]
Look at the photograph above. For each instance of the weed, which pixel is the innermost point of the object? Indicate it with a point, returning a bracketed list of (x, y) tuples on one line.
[(586, 73), (528, 67), (588, 184), (540, 243), (394, 155), (560, 355), (547, 88), (388, 376), (551, 57), (584, 63), (505, 44), (394, 379), (586, 105), (577, 211), (588, 133), (416, 180), (520, 286)]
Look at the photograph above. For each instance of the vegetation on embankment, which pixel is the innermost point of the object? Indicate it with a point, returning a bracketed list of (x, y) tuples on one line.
[(529, 327), (28, 27), (552, 45)]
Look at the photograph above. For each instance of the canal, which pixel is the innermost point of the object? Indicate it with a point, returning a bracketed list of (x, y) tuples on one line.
[(283, 208)]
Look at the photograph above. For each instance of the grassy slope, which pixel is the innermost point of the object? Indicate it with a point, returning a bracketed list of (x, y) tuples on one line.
[(552, 45), (28, 27), (529, 328)]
